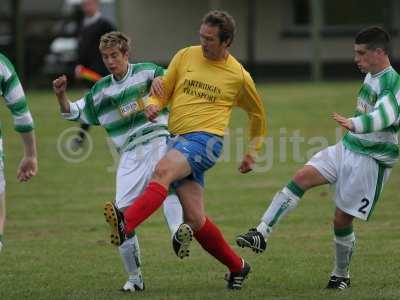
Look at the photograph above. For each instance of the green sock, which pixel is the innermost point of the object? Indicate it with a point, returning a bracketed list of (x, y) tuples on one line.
[(295, 189)]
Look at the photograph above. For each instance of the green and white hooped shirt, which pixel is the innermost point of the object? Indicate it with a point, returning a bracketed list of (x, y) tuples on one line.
[(377, 118), (14, 96), (118, 107)]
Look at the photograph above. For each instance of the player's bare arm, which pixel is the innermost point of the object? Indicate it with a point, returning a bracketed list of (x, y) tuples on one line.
[(59, 88), (157, 88), (28, 166), (343, 121)]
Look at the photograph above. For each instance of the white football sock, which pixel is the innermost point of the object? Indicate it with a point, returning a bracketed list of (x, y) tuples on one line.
[(130, 254), (282, 203), (173, 213), (344, 247)]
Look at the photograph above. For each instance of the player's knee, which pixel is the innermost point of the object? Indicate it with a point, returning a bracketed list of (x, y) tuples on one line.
[(162, 172)]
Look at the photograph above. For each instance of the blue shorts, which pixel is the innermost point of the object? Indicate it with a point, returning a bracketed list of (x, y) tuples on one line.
[(201, 150)]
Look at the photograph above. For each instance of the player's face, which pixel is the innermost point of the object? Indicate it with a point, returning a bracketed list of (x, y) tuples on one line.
[(210, 43), (366, 59), (89, 7), (115, 61)]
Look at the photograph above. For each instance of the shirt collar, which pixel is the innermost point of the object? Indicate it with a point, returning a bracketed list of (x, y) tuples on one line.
[(124, 78), (90, 20), (382, 72)]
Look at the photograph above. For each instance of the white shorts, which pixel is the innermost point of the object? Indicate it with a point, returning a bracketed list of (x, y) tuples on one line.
[(357, 179), (135, 170)]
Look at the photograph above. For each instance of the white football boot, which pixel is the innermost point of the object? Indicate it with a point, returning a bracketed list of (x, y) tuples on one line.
[(133, 285)]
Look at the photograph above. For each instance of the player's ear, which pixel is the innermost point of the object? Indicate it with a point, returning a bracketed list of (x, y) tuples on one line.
[(125, 55), (227, 43), (380, 51)]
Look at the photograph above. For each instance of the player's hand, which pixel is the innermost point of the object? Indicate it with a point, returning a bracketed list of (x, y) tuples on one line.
[(157, 88), (151, 111), (60, 85), (247, 164), (27, 169), (342, 121)]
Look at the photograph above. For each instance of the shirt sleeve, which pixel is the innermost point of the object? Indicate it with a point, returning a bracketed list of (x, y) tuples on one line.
[(169, 80), (159, 71), (250, 101), (83, 111), (385, 113), (14, 97)]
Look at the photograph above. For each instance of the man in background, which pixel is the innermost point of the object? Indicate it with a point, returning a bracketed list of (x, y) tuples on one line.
[(94, 25)]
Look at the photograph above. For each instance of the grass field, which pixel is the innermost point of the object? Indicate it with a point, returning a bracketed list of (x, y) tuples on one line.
[(56, 244)]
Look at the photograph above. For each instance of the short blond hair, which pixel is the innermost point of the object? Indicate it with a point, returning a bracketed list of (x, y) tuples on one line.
[(115, 39)]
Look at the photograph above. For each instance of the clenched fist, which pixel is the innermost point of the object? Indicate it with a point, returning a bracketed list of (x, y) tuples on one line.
[(60, 85)]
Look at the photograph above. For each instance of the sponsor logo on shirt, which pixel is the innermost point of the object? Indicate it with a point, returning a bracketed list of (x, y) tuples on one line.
[(202, 90), (130, 108)]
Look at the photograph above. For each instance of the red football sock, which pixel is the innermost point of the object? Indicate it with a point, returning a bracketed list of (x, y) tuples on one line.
[(147, 203), (211, 239)]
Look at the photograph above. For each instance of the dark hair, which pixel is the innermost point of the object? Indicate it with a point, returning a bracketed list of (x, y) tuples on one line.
[(374, 37), (224, 22)]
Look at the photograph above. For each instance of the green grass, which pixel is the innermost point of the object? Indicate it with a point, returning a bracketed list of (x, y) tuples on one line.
[(56, 238)]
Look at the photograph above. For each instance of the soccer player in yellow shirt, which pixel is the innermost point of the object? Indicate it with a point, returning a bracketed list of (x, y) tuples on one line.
[(202, 85)]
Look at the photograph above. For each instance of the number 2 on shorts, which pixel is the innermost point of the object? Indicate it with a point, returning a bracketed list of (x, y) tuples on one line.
[(365, 203)]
